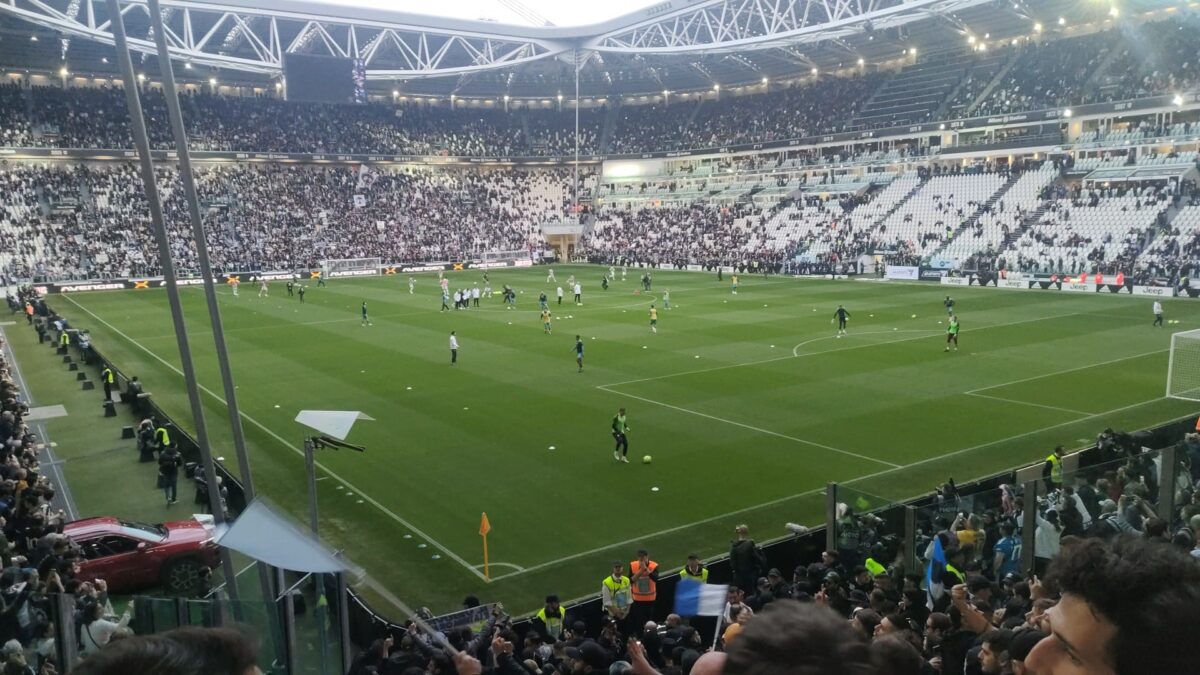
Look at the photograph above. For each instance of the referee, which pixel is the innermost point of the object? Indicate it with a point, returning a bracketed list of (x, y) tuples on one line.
[(619, 429)]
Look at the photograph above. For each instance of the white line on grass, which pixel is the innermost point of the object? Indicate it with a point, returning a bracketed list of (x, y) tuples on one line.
[(298, 451), (827, 351), (752, 428), (1068, 370), (1028, 403), (502, 564), (780, 500)]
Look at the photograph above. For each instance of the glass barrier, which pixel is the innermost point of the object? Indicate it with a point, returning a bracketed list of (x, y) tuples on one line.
[(867, 527), (979, 523), (1109, 497)]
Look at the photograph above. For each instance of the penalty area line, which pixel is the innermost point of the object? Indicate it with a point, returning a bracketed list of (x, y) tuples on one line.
[(809, 493), (750, 427), (345, 483)]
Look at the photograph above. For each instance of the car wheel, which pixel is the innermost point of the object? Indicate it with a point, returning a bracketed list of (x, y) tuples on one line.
[(181, 576)]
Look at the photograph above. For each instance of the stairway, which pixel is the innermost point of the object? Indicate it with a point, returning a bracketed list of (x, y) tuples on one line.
[(901, 202), (987, 91), (610, 123)]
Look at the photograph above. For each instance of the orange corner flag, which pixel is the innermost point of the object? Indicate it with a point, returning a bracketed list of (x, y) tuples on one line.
[(484, 525), (484, 528)]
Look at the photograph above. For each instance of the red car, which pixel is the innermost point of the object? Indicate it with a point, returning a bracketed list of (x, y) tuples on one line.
[(134, 556)]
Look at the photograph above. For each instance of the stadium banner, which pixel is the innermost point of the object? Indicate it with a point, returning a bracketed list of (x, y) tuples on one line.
[(956, 281), (1078, 287), (930, 274), (695, 268), (1153, 291), (902, 272), (1013, 283)]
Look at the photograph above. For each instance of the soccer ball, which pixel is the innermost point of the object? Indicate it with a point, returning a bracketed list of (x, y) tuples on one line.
[(647, 459), (914, 316)]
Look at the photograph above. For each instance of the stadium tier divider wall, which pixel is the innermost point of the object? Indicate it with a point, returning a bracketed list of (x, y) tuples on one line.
[(901, 540)]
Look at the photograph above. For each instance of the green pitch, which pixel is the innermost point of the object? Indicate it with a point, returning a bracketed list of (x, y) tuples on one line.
[(748, 404)]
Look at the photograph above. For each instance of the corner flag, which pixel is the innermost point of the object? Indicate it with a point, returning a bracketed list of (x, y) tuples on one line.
[(484, 528)]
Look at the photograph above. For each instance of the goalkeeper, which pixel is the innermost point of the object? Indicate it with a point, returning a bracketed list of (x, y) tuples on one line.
[(841, 316)]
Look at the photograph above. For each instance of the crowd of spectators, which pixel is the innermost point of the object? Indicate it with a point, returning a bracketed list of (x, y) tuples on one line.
[(80, 221), (1114, 590), (36, 559), (1153, 59)]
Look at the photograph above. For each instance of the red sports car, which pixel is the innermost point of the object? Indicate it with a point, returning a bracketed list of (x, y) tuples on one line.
[(134, 556)]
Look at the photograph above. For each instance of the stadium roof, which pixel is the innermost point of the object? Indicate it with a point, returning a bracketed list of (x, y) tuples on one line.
[(674, 45)]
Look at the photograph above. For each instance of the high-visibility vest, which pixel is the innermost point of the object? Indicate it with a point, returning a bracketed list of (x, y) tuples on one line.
[(619, 591), (107, 374), (874, 567), (161, 435), (554, 622), (702, 577), (644, 589), (1056, 469), (64, 339)]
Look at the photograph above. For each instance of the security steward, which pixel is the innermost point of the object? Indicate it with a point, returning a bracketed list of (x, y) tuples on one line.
[(549, 620), (108, 378), (643, 575), (1052, 471)]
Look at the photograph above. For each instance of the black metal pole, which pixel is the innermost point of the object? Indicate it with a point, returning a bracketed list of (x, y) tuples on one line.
[(142, 142)]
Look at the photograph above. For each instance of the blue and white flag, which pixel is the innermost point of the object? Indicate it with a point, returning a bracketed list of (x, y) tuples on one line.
[(935, 572), (693, 598)]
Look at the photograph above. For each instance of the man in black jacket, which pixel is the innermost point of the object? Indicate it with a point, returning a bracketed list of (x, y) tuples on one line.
[(745, 559)]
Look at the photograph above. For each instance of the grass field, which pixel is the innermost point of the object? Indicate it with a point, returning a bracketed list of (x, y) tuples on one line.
[(748, 403)]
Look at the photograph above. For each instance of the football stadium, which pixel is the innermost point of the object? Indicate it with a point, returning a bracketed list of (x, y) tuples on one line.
[(697, 336)]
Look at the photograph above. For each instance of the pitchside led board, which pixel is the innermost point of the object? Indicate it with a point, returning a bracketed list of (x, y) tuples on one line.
[(322, 79)]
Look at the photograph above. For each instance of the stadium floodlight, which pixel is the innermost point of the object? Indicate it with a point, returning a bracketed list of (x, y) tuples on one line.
[(212, 81), (63, 71), (1178, 100), (716, 87), (862, 62), (1114, 12), (1037, 27), (764, 80), (397, 93), (141, 77), (187, 65), (1062, 21), (1066, 112)]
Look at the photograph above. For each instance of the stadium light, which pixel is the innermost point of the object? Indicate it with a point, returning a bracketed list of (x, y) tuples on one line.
[(63, 71), (212, 81), (187, 65), (764, 80), (1114, 12), (814, 71), (33, 38), (141, 77), (560, 97), (506, 98), (1066, 112), (397, 93), (1062, 21), (278, 86), (862, 62), (970, 39), (104, 59), (913, 50), (1178, 100), (1037, 27), (942, 126), (982, 47), (716, 87)]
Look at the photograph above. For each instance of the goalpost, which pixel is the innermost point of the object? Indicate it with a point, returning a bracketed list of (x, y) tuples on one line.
[(347, 267), (1183, 369), (513, 255)]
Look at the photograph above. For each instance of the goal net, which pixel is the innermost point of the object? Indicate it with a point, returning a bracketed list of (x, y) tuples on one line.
[(504, 256), (349, 267), (1183, 371)]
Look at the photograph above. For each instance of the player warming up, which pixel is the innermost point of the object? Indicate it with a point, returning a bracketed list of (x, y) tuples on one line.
[(366, 320), (619, 431), (949, 303), (579, 352), (411, 283), (733, 278), (1158, 313), (546, 321), (952, 333), (262, 289), (550, 276), (841, 316)]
